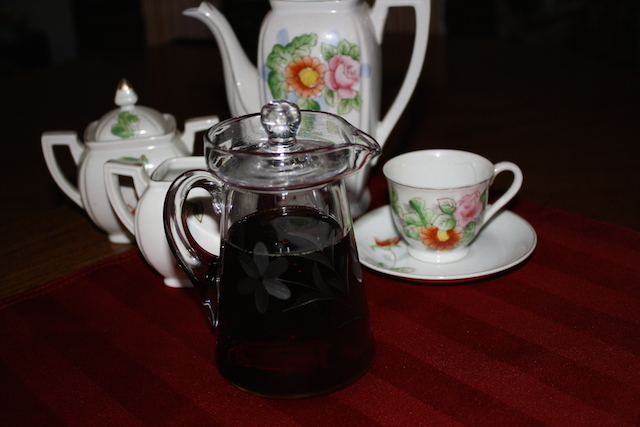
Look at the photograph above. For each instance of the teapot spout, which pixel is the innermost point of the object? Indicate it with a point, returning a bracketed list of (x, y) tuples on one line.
[(240, 75)]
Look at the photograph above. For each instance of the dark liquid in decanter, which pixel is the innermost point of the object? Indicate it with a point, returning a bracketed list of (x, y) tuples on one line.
[(293, 316)]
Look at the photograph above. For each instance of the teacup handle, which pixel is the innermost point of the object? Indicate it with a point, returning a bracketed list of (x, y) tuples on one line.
[(510, 193)]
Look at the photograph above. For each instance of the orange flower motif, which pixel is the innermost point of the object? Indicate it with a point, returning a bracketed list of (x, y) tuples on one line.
[(387, 242), (441, 240), (306, 76)]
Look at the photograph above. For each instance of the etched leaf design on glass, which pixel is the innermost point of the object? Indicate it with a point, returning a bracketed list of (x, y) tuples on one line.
[(318, 292), (263, 277), (327, 281)]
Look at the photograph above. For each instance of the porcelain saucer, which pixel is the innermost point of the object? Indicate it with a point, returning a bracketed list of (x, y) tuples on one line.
[(505, 241)]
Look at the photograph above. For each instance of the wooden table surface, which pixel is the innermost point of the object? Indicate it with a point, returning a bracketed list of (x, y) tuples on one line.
[(571, 123)]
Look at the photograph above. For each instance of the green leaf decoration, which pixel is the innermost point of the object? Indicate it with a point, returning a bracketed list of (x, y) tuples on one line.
[(127, 118), (447, 206), (418, 204), (470, 228), (425, 214), (354, 52), (357, 101), (123, 127), (466, 238), (314, 105), (393, 196), (301, 46), (143, 160), (483, 197), (413, 219), (328, 51), (345, 106), (445, 222), (196, 209), (411, 232), (278, 57), (278, 84), (344, 47), (403, 269), (330, 97), (308, 104)]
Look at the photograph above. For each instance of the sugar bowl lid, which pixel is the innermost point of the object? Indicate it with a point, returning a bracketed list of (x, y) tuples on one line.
[(130, 121)]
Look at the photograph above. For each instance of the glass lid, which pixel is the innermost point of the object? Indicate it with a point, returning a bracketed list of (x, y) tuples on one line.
[(285, 148)]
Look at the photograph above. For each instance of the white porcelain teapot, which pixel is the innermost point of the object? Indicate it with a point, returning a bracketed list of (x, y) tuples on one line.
[(324, 55), (128, 132), (147, 223)]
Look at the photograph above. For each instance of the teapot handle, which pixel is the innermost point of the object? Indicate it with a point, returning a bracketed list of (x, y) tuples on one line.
[(113, 170), (195, 261), (77, 148), (194, 125), (422, 9)]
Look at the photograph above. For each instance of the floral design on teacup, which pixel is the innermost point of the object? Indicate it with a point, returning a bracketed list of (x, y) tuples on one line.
[(445, 225), (312, 81)]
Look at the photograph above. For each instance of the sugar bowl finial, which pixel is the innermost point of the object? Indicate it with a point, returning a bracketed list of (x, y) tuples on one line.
[(126, 97)]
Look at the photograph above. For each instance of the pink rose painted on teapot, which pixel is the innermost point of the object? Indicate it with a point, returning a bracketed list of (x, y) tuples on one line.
[(344, 73)]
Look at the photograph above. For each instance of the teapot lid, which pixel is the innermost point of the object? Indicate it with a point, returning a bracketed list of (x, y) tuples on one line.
[(130, 120), (284, 148)]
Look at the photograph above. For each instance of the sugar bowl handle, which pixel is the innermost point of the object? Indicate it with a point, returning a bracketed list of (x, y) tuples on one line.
[(77, 148)]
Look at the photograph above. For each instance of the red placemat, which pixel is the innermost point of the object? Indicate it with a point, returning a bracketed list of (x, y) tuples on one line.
[(555, 341)]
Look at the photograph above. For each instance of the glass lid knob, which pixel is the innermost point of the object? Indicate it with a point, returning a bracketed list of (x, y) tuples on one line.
[(281, 119)]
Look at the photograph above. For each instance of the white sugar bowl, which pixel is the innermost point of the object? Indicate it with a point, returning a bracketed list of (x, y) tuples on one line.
[(130, 132)]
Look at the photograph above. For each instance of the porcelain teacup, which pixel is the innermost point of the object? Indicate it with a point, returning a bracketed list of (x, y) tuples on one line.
[(439, 200)]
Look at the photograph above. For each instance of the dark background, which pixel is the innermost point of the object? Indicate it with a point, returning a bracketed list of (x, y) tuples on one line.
[(38, 33)]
